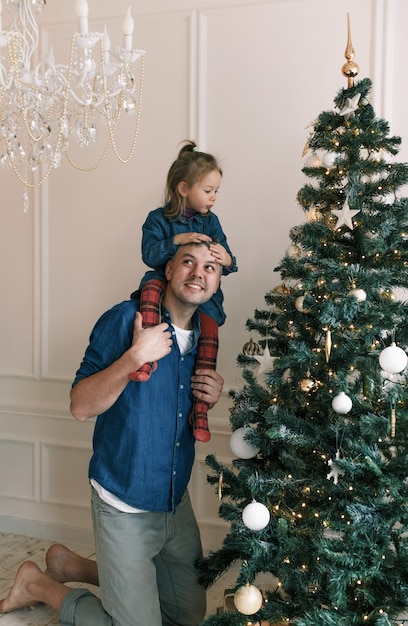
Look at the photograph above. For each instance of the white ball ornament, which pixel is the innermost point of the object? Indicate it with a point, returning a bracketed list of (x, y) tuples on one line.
[(328, 159), (393, 359), (241, 448), (294, 251), (248, 599), (300, 305), (313, 160), (342, 403), (359, 294), (256, 516)]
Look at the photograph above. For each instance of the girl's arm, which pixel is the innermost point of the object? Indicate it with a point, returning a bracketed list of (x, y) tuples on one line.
[(218, 235), (157, 240)]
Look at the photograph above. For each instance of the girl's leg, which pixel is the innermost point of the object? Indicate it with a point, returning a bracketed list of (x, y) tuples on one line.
[(206, 359), (150, 300)]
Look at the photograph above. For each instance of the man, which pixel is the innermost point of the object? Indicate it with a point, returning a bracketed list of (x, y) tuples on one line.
[(146, 535)]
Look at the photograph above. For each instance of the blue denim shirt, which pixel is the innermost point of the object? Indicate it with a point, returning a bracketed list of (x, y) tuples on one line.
[(143, 446), (158, 247)]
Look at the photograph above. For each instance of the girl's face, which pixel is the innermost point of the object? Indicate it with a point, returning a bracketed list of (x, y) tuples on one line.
[(202, 195)]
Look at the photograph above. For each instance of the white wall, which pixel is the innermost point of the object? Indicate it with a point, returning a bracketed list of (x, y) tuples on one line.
[(243, 78)]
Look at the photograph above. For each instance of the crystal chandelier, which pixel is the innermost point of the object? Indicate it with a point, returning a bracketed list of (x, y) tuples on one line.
[(44, 106)]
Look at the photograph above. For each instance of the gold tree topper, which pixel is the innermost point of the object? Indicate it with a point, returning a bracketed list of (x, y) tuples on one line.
[(349, 69)]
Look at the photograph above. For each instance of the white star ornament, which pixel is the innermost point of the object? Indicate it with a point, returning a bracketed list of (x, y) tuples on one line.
[(350, 107), (265, 361), (345, 215)]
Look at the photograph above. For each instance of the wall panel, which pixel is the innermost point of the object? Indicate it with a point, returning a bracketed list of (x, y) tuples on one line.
[(244, 78)]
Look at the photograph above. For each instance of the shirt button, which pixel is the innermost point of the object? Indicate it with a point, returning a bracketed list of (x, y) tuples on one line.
[(180, 415), (181, 386), (174, 473), (178, 444), (182, 358)]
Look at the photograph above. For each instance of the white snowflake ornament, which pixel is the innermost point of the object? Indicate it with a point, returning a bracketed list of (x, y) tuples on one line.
[(335, 471)]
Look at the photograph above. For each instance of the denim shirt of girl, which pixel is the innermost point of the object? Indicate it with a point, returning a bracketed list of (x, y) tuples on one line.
[(158, 247)]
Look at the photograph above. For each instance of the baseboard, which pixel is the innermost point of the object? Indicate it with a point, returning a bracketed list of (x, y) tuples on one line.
[(46, 530)]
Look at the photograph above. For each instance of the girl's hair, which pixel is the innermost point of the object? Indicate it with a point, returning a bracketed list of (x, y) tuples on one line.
[(190, 166)]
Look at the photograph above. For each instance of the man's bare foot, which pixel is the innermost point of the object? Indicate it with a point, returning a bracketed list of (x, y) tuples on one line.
[(65, 566), (21, 594)]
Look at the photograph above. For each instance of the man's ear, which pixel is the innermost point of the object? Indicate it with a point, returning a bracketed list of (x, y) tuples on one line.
[(167, 270), (182, 188)]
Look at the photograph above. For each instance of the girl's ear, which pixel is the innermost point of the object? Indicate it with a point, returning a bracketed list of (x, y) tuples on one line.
[(182, 189)]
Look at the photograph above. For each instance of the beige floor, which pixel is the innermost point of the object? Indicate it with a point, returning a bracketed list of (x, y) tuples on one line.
[(14, 549)]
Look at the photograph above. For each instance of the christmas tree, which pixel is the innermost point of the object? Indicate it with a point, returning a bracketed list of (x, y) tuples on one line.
[(317, 494)]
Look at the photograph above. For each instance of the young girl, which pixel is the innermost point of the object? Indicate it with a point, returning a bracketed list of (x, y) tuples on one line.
[(192, 185)]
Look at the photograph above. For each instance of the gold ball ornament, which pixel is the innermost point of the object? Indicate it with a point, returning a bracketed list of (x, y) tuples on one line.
[(350, 70), (388, 294), (248, 599), (251, 348), (307, 384), (281, 289)]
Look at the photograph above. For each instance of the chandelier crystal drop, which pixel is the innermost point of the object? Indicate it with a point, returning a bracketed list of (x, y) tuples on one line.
[(44, 106)]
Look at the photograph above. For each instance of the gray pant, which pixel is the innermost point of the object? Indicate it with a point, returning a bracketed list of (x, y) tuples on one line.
[(146, 570)]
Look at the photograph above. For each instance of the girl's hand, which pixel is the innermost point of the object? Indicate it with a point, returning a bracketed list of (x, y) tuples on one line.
[(220, 254), (184, 238)]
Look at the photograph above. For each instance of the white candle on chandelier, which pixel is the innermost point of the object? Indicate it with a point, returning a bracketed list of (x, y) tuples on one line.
[(82, 12), (106, 45), (128, 26)]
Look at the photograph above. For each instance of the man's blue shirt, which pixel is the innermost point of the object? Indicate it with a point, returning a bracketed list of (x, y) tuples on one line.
[(143, 446)]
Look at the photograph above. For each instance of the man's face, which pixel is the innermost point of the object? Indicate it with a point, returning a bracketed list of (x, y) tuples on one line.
[(193, 274)]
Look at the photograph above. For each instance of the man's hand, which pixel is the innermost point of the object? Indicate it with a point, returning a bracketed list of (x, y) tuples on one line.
[(97, 393), (149, 344), (207, 385)]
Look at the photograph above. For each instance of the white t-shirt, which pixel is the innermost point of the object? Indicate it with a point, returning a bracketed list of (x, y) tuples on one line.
[(185, 343)]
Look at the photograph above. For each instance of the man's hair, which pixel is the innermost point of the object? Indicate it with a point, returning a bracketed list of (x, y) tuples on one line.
[(196, 244)]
